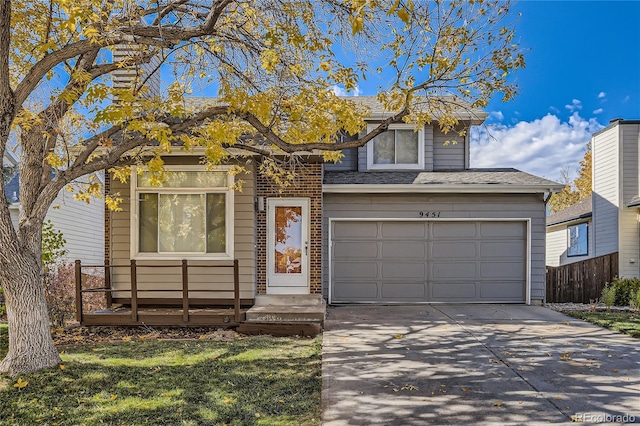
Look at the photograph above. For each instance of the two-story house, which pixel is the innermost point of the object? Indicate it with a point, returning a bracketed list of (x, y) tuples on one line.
[(608, 221), (401, 220)]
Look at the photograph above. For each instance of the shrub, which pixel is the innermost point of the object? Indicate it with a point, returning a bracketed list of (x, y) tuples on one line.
[(608, 295), (60, 292), (624, 288), (634, 300)]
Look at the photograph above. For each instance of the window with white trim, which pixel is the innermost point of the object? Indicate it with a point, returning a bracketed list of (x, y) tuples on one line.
[(400, 147), (189, 215), (578, 236)]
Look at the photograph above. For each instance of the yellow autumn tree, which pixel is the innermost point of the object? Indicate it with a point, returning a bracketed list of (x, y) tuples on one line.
[(577, 190), (272, 65)]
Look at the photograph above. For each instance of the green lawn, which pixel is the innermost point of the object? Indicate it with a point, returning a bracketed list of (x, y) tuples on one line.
[(256, 380), (624, 322)]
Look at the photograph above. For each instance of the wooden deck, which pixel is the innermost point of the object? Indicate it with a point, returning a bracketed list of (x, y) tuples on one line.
[(196, 317)]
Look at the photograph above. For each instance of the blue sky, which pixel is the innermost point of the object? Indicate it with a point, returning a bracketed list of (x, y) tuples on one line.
[(583, 69)]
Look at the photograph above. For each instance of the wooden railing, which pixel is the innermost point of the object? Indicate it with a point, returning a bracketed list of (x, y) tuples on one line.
[(133, 266), (581, 282)]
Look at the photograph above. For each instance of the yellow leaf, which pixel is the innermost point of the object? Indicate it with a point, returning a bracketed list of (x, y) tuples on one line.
[(398, 336), (20, 383), (497, 404), (464, 389), (113, 396), (615, 370), (61, 366), (559, 398), (404, 15)]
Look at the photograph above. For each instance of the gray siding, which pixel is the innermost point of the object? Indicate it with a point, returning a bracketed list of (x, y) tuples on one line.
[(392, 206), (558, 243), (349, 162), (448, 157), (158, 280), (628, 233), (606, 191)]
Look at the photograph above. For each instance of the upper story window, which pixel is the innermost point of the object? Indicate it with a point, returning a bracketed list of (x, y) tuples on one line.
[(578, 240), (400, 147), (190, 215)]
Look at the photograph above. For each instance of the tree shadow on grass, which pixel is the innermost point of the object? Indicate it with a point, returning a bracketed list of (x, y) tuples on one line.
[(259, 380)]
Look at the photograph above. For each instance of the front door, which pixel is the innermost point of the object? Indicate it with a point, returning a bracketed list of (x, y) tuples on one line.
[(287, 245)]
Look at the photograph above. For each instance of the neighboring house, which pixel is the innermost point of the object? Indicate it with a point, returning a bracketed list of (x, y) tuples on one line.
[(616, 194), (402, 220), (611, 215), (570, 234), (81, 224)]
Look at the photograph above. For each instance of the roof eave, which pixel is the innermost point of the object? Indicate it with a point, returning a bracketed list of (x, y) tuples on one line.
[(438, 188), (581, 218)]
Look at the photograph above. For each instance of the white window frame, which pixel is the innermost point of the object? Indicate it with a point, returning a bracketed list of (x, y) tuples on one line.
[(229, 215), (400, 126), (569, 228)]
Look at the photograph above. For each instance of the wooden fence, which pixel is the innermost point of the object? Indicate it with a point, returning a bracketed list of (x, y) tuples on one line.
[(581, 282)]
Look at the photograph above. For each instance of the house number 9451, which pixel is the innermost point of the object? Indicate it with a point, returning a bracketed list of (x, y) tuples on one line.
[(429, 214)]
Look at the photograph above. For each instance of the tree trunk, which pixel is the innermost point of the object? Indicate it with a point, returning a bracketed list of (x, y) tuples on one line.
[(31, 346)]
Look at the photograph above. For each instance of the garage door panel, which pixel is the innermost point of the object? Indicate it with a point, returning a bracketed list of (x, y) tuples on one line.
[(453, 250), (346, 230), (348, 250), (429, 261), (404, 291), (506, 290), (412, 230), (493, 270), (442, 292), (502, 230), (403, 270), (502, 249), (358, 290), (355, 269), (452, 230), (440, 270), (404, 250)]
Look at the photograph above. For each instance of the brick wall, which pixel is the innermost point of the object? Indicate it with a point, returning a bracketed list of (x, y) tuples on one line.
[(308, 183)]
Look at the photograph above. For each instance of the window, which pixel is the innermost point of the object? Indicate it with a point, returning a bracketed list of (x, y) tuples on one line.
[(190, 215), (578, 240), (400, 147)]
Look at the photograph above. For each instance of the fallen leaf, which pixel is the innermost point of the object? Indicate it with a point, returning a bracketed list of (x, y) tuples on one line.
[(61, 366), (409, 387), (398, 336), (497, 404), (464, 389), (20, 383), (615, 370), (566, 322), (113, 396), (558, 398)]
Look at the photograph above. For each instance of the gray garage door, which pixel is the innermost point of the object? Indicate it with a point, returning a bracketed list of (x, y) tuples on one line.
[(434, 261)]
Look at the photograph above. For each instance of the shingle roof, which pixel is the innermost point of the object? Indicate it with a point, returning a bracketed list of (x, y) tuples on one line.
[(464, 112), (635, 201), (12, 189), (504, 177), (580, 210)]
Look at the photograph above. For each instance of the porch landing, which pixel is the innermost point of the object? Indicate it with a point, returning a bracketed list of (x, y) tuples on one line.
[(285, 315), (196, 317)]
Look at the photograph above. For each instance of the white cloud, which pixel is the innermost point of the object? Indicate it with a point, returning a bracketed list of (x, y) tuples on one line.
[(554, 109), (601, 95), (541, 147), (340, 91), (598, 111), (496, 115), (575, 105)]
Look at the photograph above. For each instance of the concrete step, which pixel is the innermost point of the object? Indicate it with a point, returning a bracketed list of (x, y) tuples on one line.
[(289, 299), (280, 313)]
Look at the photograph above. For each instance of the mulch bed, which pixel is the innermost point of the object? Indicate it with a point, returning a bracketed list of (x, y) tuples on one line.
[(75, 335)]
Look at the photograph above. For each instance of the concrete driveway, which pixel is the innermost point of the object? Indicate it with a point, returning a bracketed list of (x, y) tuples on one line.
[(474, 364)]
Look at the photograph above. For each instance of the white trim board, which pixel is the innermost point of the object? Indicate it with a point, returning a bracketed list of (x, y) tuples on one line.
[(527, 221)]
